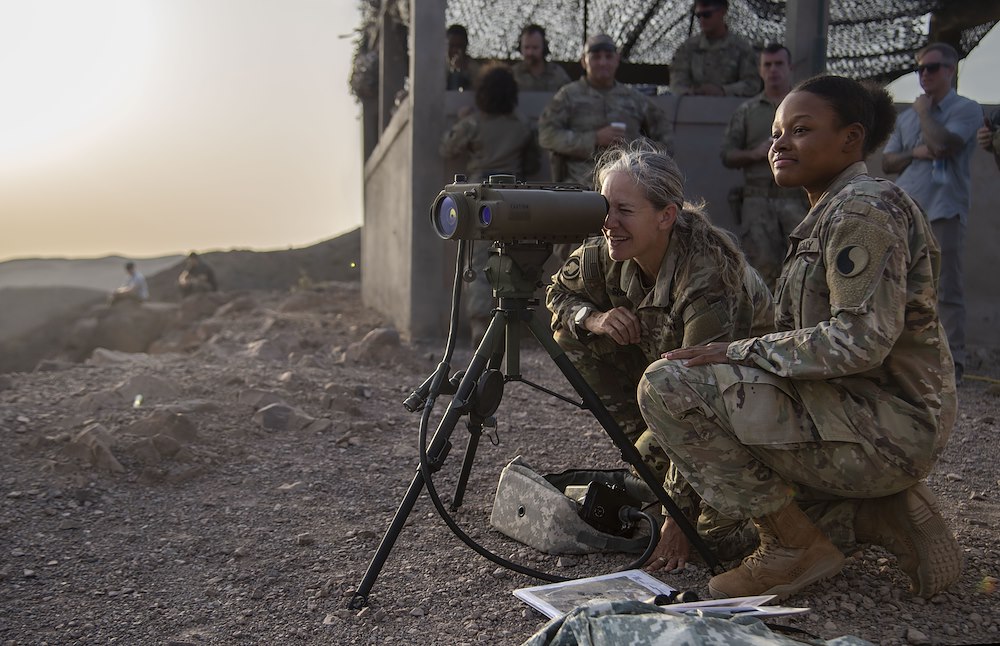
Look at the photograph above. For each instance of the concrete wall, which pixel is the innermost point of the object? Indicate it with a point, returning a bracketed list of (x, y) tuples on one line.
[(698, 125)]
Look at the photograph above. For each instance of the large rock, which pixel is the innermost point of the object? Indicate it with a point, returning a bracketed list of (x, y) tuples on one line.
[(125, 326), (378, 346), (92, 446)]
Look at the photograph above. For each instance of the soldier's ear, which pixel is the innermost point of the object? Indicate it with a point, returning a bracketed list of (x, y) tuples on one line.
[(854, 137), (667, 217)]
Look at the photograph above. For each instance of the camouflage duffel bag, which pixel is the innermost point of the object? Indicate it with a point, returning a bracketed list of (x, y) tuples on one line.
[(536, 510)]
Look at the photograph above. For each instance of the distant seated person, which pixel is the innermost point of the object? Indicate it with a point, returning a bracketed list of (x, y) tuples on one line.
[(462, 70), (196, 277), (134, 289), (716, 62), (534, 73)]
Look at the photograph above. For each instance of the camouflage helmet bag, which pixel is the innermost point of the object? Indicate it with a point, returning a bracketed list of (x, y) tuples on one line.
[(532, 509)]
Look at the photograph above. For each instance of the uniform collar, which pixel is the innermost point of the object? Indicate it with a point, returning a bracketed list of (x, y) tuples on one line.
[(631, 281), (805, 228)]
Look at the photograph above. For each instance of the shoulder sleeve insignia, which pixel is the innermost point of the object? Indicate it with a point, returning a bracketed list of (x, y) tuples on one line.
[(851, 260), (571, 268)]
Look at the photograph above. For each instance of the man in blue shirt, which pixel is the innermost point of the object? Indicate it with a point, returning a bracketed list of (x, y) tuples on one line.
[(931, 148)]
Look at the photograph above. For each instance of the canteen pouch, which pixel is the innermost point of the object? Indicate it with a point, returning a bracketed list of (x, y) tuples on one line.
[(532, 509)]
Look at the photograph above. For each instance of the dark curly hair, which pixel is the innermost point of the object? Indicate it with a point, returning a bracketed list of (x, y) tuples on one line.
[(496, 90), (856, 102)]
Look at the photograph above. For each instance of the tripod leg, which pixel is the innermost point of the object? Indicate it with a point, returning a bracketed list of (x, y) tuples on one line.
[(437, 451), (493, 346), (475, 432), (628, 450)]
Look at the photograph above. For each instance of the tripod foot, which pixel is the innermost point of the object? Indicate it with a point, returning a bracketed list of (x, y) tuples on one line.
[(357, 602)]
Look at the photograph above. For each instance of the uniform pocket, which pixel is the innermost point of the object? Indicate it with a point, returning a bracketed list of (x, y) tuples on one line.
[(764, 409)]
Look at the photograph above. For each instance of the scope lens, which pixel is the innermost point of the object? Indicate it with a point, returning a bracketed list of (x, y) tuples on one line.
[(485, 216), (446, 218)]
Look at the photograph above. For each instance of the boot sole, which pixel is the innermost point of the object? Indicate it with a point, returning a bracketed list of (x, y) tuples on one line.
[(938, 554), (818, 572)]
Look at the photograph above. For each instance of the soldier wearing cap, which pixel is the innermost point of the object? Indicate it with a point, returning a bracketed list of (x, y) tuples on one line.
[(715, 62), (585, 117)]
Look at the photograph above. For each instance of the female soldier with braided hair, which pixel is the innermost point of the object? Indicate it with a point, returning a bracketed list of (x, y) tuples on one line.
[(661, 277)]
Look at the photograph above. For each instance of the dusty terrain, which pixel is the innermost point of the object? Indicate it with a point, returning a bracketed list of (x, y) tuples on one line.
[(199, 514)]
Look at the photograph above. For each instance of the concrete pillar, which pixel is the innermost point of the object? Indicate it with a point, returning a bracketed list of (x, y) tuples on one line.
[(392, 66), (806, 23), (430, 257)]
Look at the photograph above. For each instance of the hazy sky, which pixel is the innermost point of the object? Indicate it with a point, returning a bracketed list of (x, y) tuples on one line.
[(149, 127), (155, 126)]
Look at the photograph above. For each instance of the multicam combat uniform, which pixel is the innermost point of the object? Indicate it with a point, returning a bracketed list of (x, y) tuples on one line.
[(767, 212), (853, 397), (494, 143), (688, 305), (552, 78), (569, 124), (729, 62)]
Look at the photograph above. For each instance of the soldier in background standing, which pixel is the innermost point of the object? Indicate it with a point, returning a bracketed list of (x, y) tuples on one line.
[(767, 213), (716, 62), (931, 149), (462, 70), (534, 73), (585, 117)]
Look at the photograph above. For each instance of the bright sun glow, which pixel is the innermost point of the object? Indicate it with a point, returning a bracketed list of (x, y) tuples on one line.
[(69, 70)]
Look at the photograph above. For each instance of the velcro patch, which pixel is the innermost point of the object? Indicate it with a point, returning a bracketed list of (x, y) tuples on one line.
[(571, 268), (851, 261)]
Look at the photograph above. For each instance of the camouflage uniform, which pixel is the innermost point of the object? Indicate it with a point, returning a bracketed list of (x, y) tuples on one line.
[(768, 213), (688, 305), (729, 62), (570, 121), (494, 143), (552, 78), (853, 397)]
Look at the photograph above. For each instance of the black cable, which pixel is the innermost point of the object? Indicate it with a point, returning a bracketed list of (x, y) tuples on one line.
[(630, 514)]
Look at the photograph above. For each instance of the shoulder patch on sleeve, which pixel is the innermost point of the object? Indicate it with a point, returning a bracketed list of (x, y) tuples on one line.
[(851, 260), (571, 268)]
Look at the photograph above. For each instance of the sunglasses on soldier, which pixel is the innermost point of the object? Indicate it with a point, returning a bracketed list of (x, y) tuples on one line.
[(930, 67)]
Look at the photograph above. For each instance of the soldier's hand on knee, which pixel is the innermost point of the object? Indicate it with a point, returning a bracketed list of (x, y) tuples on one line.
[(621, 324)]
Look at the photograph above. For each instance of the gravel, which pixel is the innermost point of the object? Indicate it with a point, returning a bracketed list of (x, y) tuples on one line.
[(244, 524)]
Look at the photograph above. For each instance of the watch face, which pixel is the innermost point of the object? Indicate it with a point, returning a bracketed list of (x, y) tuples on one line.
[(581, 314)]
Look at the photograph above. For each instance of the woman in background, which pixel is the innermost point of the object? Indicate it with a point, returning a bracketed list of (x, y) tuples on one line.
[(496, 140)]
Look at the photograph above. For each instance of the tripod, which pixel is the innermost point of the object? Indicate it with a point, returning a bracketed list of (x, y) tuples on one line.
[(514, 271)]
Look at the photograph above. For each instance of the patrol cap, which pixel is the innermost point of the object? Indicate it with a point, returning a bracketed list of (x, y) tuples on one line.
[(599, 43)]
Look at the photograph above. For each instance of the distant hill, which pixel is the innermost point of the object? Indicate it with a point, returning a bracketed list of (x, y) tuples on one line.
[(41, 298), (103, 274), (23, 308)]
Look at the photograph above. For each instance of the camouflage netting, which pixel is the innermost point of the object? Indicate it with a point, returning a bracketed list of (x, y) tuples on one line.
[(872, 39)]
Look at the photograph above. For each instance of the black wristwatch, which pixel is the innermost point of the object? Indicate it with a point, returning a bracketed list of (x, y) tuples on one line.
[(580, 316)]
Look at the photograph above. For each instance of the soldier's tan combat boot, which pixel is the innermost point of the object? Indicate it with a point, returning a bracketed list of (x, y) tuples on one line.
[(909, 525), (792, 554)]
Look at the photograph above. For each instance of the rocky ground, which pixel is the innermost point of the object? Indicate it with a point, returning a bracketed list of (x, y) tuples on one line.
[(232, 489)]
